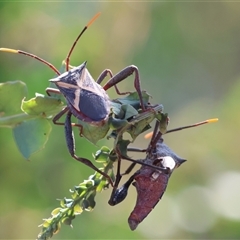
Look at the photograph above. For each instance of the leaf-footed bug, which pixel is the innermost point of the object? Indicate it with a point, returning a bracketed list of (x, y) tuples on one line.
[(85, 98), (150, 183)]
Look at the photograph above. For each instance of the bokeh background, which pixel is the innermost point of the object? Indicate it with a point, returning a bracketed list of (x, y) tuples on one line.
[(188, 55)]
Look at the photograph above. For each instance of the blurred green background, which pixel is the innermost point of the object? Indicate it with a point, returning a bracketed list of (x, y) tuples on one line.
[(188, 56)]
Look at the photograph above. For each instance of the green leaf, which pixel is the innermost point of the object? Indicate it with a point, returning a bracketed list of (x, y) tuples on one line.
[(91, 200), (77, 210), (46, 223), (40, 104), (67, 221), (116, 109), (31, 136), (56, 211), (122, 146), (123, 111), (163, 118), (141, 123), (101, 155), (129, 111), (115, 123), (11, 95), (94, 133), (85, 204)]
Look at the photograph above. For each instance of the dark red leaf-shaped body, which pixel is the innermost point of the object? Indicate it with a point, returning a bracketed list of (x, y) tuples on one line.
[(150, 185)]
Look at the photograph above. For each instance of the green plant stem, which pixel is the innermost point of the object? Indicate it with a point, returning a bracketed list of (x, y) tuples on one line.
[(14, 120)]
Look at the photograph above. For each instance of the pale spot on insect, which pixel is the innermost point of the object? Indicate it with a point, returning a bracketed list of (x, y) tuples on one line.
[(168, 162), (155, 175)]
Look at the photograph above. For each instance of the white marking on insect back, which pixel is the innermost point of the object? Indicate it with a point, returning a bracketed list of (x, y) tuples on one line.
[(87, 82), (65, 85), (77, 99), (168, 162)]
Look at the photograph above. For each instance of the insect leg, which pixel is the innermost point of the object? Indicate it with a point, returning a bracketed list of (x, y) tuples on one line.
[(71, 147), (52, 90), (119, 194), (123, 74), (60, 114), (104, 75)]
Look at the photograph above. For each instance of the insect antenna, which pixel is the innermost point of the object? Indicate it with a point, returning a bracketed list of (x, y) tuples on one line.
[(67, 60), (9, 50), (212, 120)]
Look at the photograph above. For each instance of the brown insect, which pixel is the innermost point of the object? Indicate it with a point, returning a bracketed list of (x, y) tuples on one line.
[(150, 183)]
